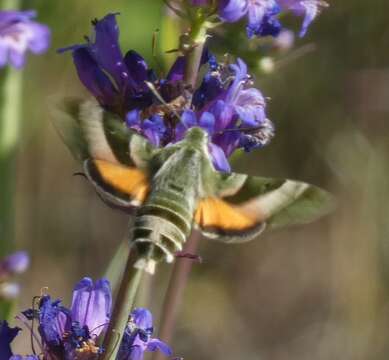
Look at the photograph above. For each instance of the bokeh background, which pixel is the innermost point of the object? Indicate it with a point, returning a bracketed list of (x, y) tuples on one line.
[(314, 292)]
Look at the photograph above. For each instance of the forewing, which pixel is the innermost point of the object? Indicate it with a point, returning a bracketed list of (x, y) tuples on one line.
[(90, 132), (66, 120), (258, 203), (115, 158)]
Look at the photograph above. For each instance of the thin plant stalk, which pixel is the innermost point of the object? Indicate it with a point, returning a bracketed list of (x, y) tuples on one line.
[(10, 125), (175, 292), (124, 303), (182, 267)]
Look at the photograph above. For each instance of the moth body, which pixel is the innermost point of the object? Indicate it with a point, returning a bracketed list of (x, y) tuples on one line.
[(164, 222), (173, 188)]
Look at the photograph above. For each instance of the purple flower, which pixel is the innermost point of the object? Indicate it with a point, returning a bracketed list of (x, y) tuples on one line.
[(123, 83), (15, 263), (138, 337), (68, 332), (262, 14), (18, 34), (225, 106), (7, 335), (309, 9), (118, 82)]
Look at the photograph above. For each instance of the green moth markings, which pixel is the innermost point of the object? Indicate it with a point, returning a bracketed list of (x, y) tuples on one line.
[(170, 190)]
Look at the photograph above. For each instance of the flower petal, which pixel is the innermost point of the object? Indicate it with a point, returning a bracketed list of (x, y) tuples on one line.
[(93, 78), (91, 305), (156, 344), (232, 10), (142, 318), (176, 72), (207, 122), (106, 50), (136, 353), (137, 68), (220, 161), (40, 39)]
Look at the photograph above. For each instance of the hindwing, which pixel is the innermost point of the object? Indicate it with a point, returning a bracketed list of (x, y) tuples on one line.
[(249, 204)]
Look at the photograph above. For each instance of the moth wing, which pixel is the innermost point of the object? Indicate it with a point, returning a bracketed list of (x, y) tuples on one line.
[(90, 132), (249, 204), (115, 158), (120, 186), (66, 120)]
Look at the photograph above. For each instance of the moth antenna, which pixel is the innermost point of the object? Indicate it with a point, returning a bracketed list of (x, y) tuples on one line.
[(246, 130), (160, 98)]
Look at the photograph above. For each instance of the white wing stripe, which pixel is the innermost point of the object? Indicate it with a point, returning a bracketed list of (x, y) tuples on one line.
[(274, 201)]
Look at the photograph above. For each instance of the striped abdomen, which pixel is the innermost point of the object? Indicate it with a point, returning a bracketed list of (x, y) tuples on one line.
[(163, 224)]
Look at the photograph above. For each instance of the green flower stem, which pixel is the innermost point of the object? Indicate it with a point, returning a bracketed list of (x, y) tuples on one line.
[(10, 124), (10, 116), (197, 38), (123, 305), (10, 4), (175, 292)]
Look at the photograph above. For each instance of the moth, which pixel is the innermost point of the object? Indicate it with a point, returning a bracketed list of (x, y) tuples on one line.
[(174, 189)]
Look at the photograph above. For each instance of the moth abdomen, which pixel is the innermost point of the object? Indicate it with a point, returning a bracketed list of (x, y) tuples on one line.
[(162, 225)]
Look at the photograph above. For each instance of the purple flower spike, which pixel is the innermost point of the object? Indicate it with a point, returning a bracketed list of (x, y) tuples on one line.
[(18, 34), (91, 305), (137, 339)]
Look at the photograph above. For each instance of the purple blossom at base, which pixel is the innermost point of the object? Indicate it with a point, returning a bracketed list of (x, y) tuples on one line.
[(73, 333)]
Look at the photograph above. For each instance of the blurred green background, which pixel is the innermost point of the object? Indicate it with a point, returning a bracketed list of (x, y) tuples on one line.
[(315, 292)]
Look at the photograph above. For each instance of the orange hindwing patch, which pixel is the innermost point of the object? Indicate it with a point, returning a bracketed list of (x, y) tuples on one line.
[(128, 180)]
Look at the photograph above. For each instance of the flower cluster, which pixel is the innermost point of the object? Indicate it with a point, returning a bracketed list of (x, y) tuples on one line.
[(226, 105), (263, 15), (13, 264), (19, 33), (73, 333)]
